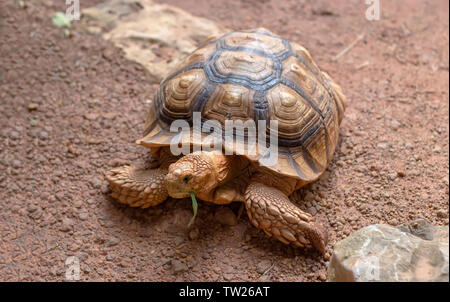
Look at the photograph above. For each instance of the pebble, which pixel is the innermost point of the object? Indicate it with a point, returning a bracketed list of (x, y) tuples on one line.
[(225, 216), (33, 106), (16, 164), (14, 135), (322, 277), (442, 214), (60, 195), (401, 173), (382, 146), (263, 266), (66, 225), (83, 216), (43, 135), (193, 234), (32, 208), (112, 241), (91, 116), (177, 266), (110, 256), (312, 211), (395, 124), (95, 182)]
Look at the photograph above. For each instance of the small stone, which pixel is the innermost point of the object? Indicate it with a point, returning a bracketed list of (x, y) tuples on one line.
[(110, 256), (193, 234), (91, 116), (382, 146), (109, 115), (95, 182), (225, 216), (263, 266), (16, 164), (14, 135), (401, 173), (43, 135), (66, 225), (77, 203), (112, 241), (60, 195), (178, 267), (442, 214), (32, 106), (309, 196), (322, 277), (83, 216), (116, 162), (312, 211), (31, 208), (395, 124)]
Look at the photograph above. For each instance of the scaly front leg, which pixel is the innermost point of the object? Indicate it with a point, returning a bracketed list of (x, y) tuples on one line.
[(138, 187), (271, 210)]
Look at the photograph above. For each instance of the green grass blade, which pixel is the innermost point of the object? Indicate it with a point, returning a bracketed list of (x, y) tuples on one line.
[(194, 207)]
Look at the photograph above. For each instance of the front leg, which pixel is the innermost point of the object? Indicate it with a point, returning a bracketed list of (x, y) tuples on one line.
[(271, 210), (138, 187)]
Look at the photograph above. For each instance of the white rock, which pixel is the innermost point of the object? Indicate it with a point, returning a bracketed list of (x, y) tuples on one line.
[(157, 36), (414, 252)]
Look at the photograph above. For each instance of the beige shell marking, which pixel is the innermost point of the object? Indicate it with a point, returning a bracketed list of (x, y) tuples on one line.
[(294, 115), (271, 45), (180, 91), (229, 99), (250, 65)]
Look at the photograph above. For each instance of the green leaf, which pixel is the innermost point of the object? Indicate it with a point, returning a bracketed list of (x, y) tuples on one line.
[(194, 207), (33, 121), (60, 20)]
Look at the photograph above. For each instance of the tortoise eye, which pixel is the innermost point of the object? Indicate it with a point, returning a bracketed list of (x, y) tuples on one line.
[(186, 179)]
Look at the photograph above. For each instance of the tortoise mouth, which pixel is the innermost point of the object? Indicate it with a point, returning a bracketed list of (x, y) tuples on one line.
[(178, 186)]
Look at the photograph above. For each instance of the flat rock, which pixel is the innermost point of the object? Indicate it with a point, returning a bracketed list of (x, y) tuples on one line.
[(156, 36), (417, 251)]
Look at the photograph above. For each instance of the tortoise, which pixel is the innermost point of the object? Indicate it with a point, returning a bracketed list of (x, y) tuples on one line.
[(247, 75)]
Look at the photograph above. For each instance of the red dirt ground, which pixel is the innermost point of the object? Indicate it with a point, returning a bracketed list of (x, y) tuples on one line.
[(391, 165)]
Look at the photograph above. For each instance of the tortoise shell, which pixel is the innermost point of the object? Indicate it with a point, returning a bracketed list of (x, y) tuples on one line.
[(254, 75)]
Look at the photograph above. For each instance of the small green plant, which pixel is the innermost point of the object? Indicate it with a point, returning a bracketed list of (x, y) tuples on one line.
[(60, 20), (194, 207)]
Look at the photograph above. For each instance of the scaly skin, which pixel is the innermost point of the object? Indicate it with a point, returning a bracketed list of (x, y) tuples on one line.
[(271, 210), (139, 187)]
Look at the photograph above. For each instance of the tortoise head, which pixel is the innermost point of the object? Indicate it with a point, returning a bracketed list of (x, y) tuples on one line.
[(196, 172)]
